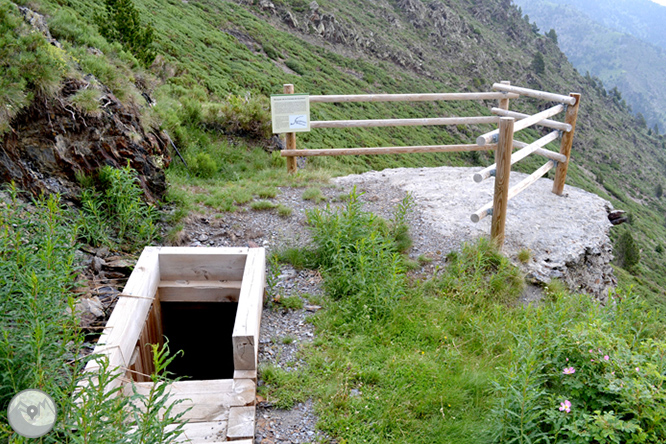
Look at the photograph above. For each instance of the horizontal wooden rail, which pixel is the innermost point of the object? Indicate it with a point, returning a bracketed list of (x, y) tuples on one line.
[(403, 122), (521, 124), (547, 123), (513, 192), (535, 93), (412, 97), (519, 155), (387, 150), (552, 155)]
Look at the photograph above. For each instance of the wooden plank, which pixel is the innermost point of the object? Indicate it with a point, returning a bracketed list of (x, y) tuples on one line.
[(199, 291), (248, 315), (534, 93), (245, 374), (526, 150), (203, 432), (207, 400), (500, 199), (554, 124), (521, 124), (402, 122), (411, 97), (201, 264), (389, 150), (129, 316), (241, 423), (290, 138), (565, 147)]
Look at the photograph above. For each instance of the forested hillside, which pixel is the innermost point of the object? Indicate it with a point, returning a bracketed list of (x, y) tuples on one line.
[(621, 59)]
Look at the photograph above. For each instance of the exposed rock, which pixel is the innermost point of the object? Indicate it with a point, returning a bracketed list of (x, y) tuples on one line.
[(53, 140), (568, 235), (289, 19), (38, 22), (267, 5)]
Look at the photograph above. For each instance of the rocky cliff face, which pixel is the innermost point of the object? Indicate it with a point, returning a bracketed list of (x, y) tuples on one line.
[(54, 140)]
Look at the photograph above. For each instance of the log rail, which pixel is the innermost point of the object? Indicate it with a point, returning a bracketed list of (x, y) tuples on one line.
[(500, 140)]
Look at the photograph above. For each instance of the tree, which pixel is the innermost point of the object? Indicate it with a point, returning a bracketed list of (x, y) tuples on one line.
[(553, 36), (538, 63), (640, 119), (627, 251), (121, 23), (659, 191)]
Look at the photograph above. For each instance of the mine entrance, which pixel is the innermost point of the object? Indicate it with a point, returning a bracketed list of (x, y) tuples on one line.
[(203, 330)]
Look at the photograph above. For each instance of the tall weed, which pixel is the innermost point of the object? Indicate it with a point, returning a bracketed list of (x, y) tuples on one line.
[(113, 213), (41, 343), (360, 259)]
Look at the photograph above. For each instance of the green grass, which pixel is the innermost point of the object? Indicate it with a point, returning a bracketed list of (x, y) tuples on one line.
[(433, 361)]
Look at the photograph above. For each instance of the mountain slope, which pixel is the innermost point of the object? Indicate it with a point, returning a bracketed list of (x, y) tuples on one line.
[(218, 60), (620, 60)]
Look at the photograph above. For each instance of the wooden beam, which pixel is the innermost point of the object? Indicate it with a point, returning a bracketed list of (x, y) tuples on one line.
[(518, 155), (390, 150), (209, 400), (519, 188), (403, 122), (565, 147), (554, 124), (514, 191), (504, 101), (124, 327), (199, 291), (202, 264), (500, 198), (290, 138), (552, 155), (521, 124), (534, 93), (241, 423), (245, 335), (411, 97)]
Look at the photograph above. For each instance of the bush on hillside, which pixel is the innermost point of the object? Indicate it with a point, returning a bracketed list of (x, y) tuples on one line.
[(121, 23)]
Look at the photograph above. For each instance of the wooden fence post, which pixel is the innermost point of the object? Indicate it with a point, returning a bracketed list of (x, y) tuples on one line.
[(290, 138), (504, 103), (565, 147), (501, 197)]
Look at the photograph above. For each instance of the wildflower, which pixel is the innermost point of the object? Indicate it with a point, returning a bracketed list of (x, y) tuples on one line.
[(606, 357), (569, 371), (565, 406), (591, 351), (638, 369)]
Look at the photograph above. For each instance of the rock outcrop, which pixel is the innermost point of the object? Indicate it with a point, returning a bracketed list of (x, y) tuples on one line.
[(53, 140), (567, 235)]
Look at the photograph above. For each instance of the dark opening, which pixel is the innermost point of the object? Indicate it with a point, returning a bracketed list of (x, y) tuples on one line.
[(203, 331)]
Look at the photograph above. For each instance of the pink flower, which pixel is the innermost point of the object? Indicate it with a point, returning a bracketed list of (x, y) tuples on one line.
[(569, 371), (591, 351), (607, 357), (565, 406), (638, 369)]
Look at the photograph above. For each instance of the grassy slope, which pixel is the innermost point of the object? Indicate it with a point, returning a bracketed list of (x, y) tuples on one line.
[(211, 49)]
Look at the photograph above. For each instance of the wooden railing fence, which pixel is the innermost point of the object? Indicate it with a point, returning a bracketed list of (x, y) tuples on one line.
[(500, 140)]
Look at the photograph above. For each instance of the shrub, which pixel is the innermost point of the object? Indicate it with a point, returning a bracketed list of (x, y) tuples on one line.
[(121, 23), (113, 213), (584, 373), (627, 252), (360, 260), (236, 115)]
